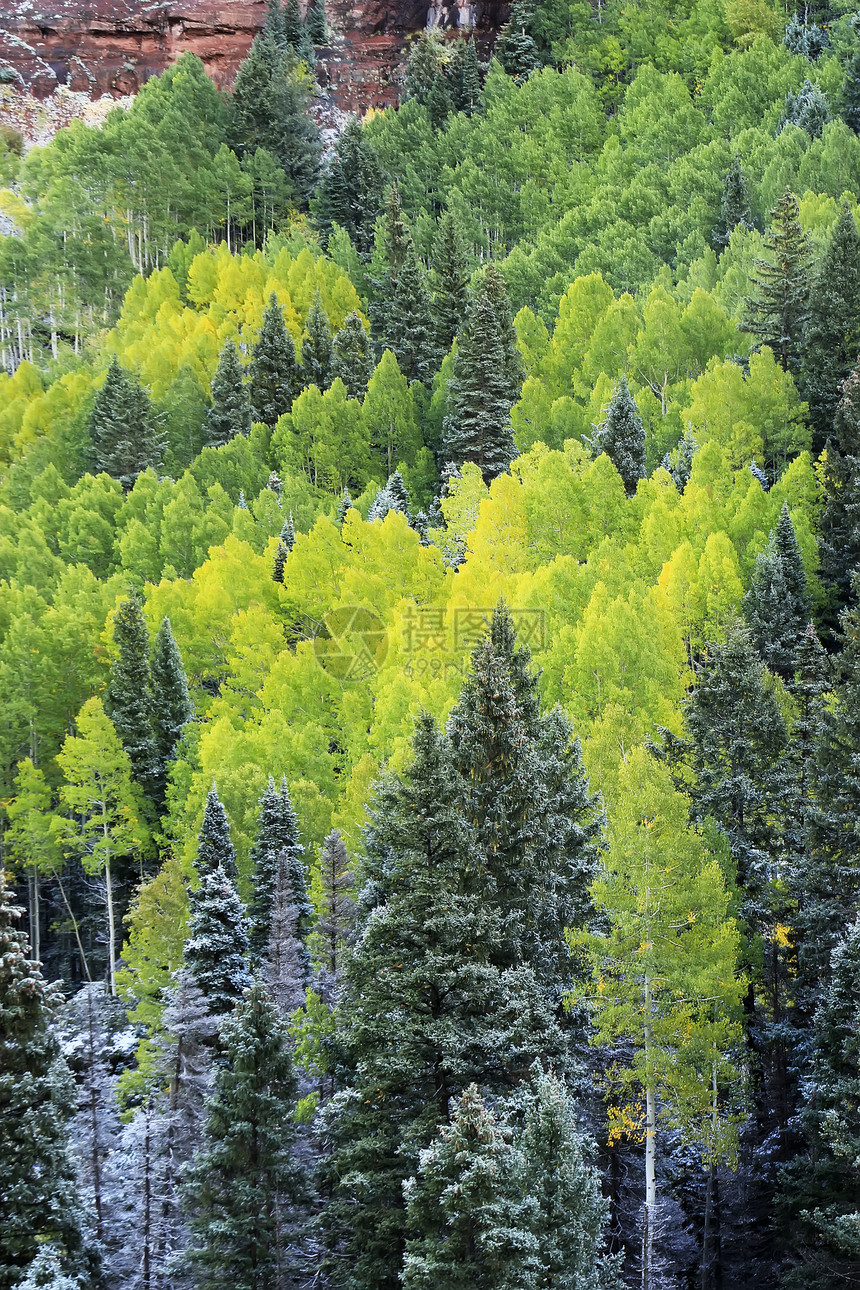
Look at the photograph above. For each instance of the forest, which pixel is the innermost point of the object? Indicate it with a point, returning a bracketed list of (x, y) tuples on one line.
[(430, 667)]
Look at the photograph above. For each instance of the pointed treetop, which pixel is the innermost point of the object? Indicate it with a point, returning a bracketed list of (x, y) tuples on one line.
[(214, 846)]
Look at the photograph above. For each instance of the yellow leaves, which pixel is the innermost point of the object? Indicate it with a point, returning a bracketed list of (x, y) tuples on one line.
[(782, 936), (625, 1124)]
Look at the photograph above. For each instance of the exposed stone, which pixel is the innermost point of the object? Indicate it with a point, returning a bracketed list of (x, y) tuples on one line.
[(113, 46)]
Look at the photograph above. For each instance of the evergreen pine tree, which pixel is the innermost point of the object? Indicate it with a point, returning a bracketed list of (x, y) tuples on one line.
[(335, 914), (398, 497), (344, 505), (807, 109), (129, 698), (439, 103), (734, 204), (482, 391), (38, 1204), (286, 542), (409, 325), (214, 846), (351, 189), (171, 704), (621, 436), (423, 66), (274, 370), (317, 349), (244, 1181), (294, 26), (352, 359), (315, 22), (284, 964), (230, 413), (217, 944), (277, 831), (849, 101), (450, 280), (125, 436), (831, 341), (777, 311), (840, 515), (519, 53), (776, 606), (465, 78), (274, 24)]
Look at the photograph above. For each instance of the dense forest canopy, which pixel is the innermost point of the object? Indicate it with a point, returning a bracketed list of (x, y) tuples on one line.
[(430, 667)]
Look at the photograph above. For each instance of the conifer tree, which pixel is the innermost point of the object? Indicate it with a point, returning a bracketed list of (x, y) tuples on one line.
[(125, 436), (277, 832), (439, 102), (350, 191), (734, 204), (274, 24), (621, 435), (274, 370), (423, 66), (344, 505), (38, 1202), (317, 349), (315, 22), (171, 703), (465, 78), (286, 542), (243, 1182), (294, 26), (230, 413), (217, 944), (398, 496), (335, 913), (849, 100), (518, 53), (214, 846), (482, 389), (352, 359), (831, 342), (450, 280), (776, 606), (807, 109), (129, 698), (409, 330), (840, 516), (284, 963), (778, 309)]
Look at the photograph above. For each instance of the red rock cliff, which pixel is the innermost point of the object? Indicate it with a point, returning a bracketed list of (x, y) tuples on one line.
[(113, 46)]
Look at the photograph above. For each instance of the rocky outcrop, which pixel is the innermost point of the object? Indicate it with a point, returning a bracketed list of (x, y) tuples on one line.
[(113, 46)]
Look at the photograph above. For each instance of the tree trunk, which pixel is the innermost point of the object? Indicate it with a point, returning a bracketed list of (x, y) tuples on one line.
[(111, 928), (650, 1154)]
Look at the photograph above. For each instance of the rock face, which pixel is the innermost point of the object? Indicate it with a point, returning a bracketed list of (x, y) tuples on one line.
[(113, 46)]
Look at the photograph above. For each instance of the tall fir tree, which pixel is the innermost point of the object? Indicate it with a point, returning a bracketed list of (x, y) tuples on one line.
[(621, 435), (483, 389), (439, 102), (274, 24), (450, 279), (274, 369), (315, 22), (423, 66), (286, 542), (214, 845), (129, 698), (317, 349), (352, 356), (284, 963), (831, 342), (171, 703), (839, 521), (849, 99), (409, 323), (776, 606), (125, 433), (734, 204), (335, 914), (350, 192), (277, 832), (230, 413), (778, 308), (39, 1206), (244, 1182), (518, 52), (465, 78), (217, 944), (294, 24)]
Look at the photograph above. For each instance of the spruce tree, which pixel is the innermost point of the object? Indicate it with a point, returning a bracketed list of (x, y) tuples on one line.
[(450, 280), (286, 542), (439, 103), (274, 24), (519, 53), (482, 389), (423, 66), (344, 505), (409, 330), (294, 26), (38, 1202), (277, 832), (776, 606), (317, 349), (849, 100), (214, 847), (621, 435), (352, 356), (274, 370), (465, 78), (734, 204), (243, 1183), (315, 22), (840, 516), (335, 914), (217, 944), (129, 698), (230, 413), (350, 191), (831, 341), (807, 109), (778, 309), (171, 704), (398, 496), (125, 434)]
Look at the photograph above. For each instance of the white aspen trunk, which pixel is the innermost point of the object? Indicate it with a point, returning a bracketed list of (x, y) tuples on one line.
[(35, 946), (111, 925), (650, 1153)]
